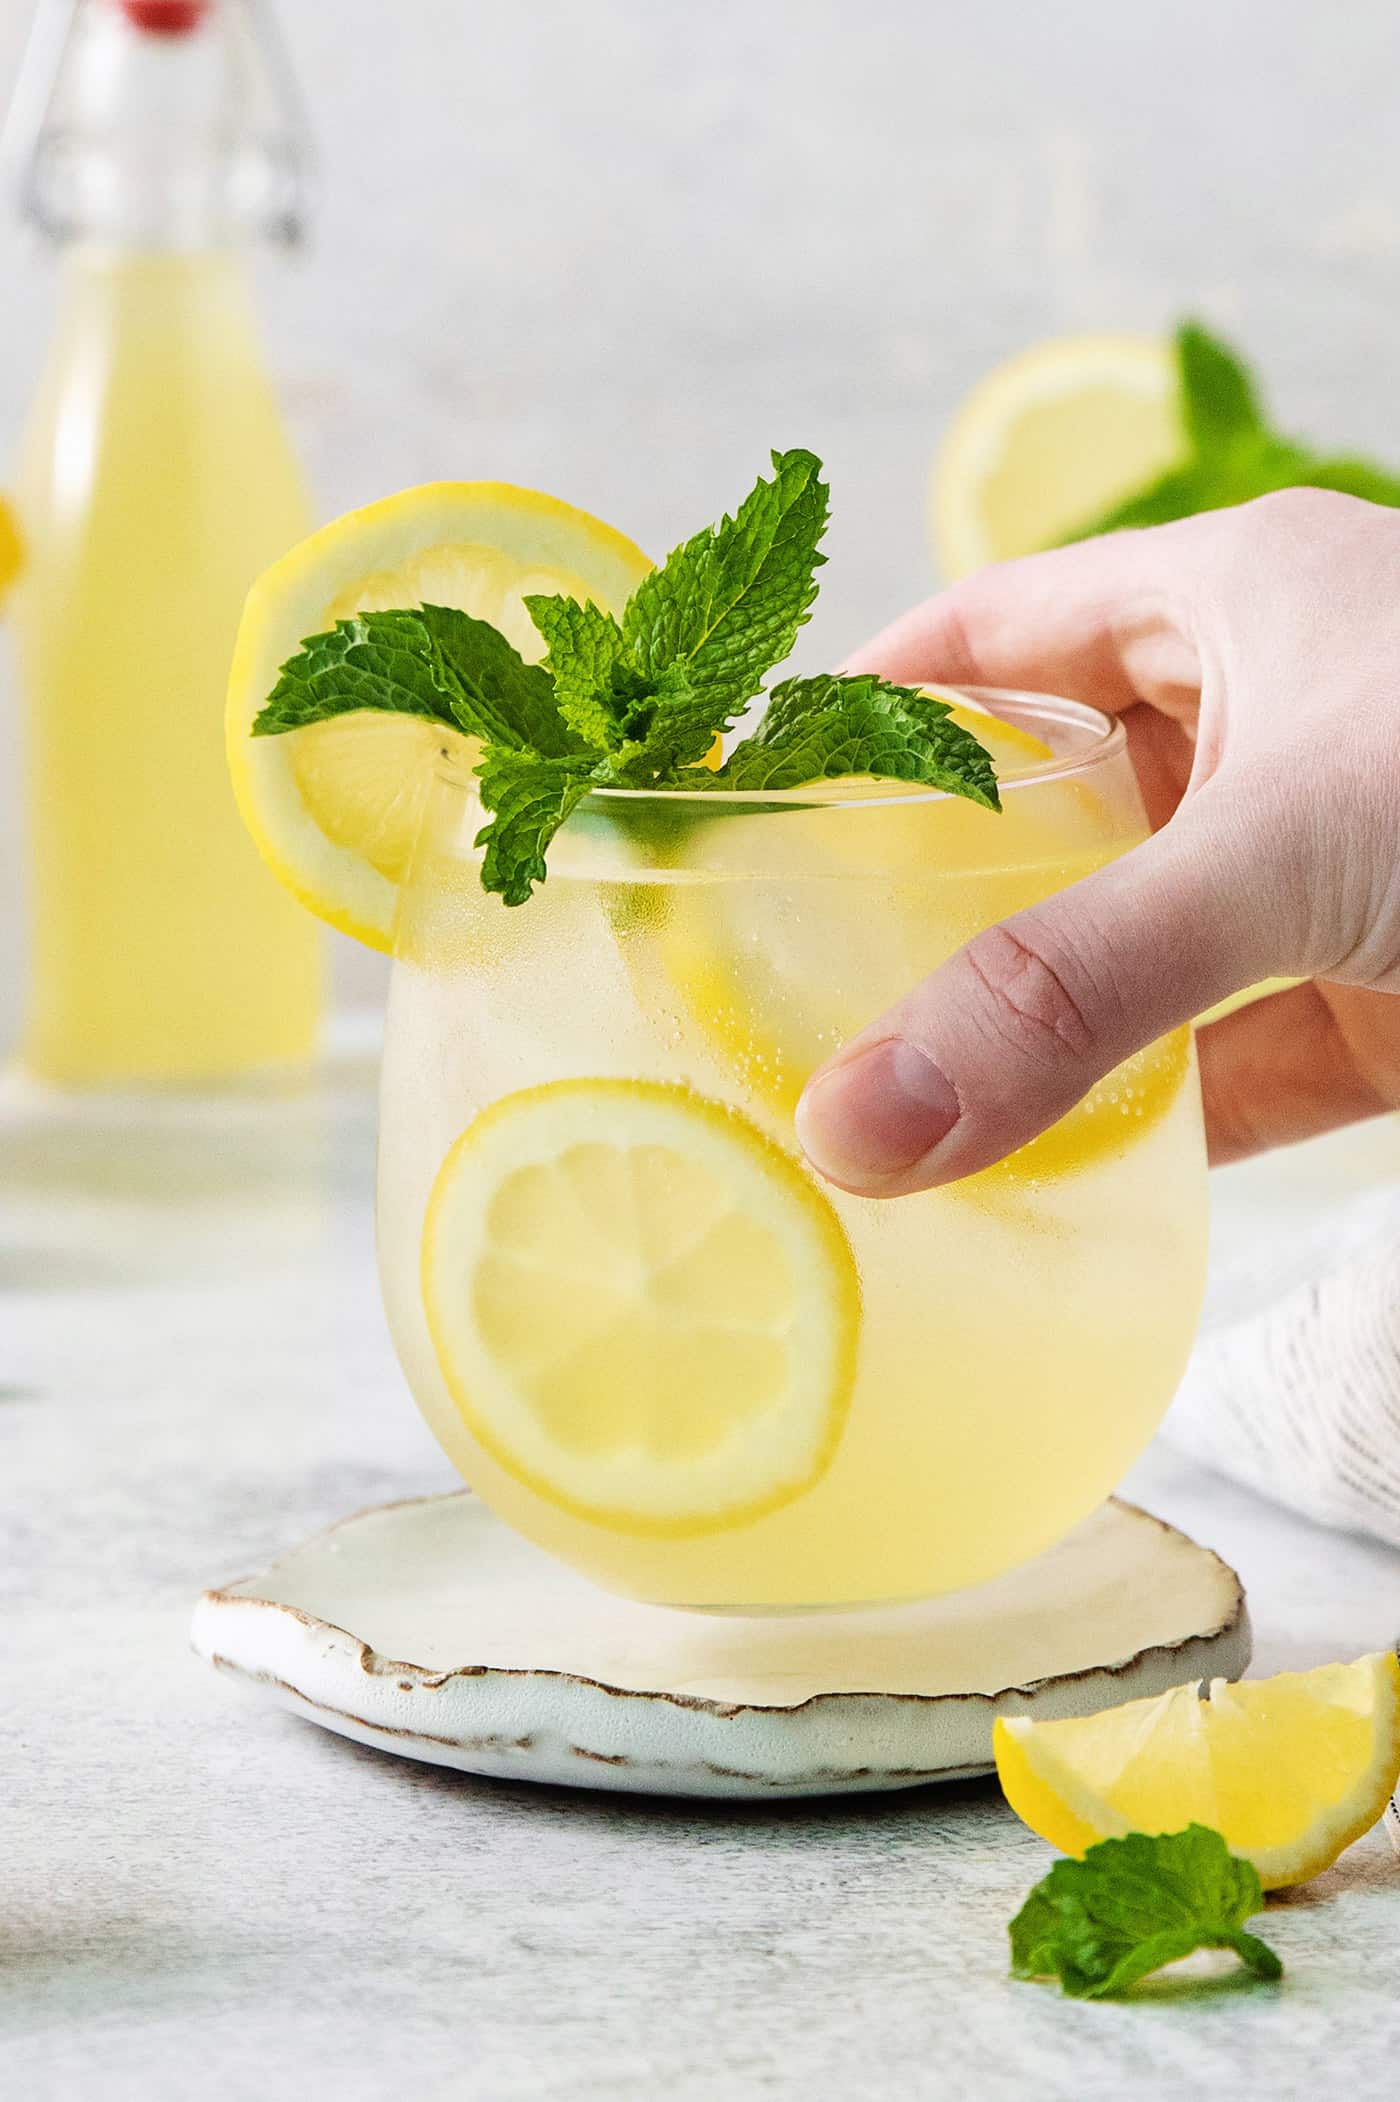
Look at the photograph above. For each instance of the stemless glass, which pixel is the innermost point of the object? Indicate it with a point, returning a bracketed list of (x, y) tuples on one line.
[(912, 1395)]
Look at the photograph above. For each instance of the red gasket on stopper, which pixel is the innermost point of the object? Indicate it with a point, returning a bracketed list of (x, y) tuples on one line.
[(165, 17)]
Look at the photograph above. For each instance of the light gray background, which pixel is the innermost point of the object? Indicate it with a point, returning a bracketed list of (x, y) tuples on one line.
[(618, 250)]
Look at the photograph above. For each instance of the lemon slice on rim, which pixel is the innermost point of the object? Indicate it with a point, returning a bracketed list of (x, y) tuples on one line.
[(1290, 1770), (643, 1308), (334, 808), (1050, 440)]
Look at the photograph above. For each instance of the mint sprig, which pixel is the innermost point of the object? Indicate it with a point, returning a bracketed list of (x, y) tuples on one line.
[(1131, 1905), (1233, 452), (638, 702)]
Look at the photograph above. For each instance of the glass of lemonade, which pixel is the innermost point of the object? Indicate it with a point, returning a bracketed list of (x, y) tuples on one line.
[(640, 1325)]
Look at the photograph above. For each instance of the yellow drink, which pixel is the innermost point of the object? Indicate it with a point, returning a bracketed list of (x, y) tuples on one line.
[(155, 484), (1017, 1337)]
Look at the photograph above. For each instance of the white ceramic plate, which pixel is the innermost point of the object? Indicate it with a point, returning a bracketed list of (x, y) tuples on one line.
[(430, 1630)]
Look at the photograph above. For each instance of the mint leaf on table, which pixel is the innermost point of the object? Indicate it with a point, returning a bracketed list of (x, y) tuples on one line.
[(1131, 1905), (729, 602), (824, 727)]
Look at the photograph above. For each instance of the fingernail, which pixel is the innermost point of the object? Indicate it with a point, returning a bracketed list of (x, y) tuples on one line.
[(875, 1113)]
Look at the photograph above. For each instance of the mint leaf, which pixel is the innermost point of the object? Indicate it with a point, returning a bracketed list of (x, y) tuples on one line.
[(433, 661), (824, 727), (495, 694), (729, 602), (529, 798), (1179, 493), (586, 651), (1355, 478), (1131, 1905), (1209, 484), (671, 729), (369, 662), (1219, 403)]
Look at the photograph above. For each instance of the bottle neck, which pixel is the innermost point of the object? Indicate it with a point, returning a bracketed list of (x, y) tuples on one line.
[(163, 125)]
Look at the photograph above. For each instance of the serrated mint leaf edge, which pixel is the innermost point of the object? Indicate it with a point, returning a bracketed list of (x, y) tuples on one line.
[(585, 649), (725, 601), (432, 661), (1058, 1928), (528, 798), (821, 715)]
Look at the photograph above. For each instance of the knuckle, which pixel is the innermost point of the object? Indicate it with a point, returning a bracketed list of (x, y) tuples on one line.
[(1282, 561), (1304, 528), (1032, 1002), (1287, 512)]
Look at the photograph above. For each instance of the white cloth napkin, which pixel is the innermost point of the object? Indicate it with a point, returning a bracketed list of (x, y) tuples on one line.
[(1294, 1388)]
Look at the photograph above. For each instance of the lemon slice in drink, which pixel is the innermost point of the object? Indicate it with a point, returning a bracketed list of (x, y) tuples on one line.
[(1290, 1770), (772, 965), (643, 1308), (1050, 440), (334, 808), (776, 974)]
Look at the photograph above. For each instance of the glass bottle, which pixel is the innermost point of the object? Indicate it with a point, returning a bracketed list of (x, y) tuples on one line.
[(155, 482)]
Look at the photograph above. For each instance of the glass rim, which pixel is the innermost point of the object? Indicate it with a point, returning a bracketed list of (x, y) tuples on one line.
[(1109, 739)]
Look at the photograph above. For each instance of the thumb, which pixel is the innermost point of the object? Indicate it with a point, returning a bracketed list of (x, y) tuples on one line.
[(1008, 1034)]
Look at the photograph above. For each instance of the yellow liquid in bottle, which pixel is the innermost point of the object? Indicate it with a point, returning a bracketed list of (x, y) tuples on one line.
[(155, 483)]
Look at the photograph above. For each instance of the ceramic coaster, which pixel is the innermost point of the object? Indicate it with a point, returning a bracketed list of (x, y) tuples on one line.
[(430, 1630)]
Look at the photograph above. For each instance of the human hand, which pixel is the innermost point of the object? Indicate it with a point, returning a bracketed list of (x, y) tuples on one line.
[(1254, 657)]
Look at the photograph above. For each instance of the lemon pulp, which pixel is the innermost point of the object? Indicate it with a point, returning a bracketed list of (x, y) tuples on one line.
[(643, 1308)]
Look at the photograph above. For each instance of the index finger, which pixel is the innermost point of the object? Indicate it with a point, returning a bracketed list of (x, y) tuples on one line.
[(1107, 621)]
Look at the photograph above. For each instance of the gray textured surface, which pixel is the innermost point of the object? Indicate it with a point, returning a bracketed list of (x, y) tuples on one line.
[(618, 250), (201, 1896)]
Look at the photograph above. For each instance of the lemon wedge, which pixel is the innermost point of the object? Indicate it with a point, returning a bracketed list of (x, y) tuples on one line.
[(1048, 441), (1290, 1770), (334, 808), (643, 1308)]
